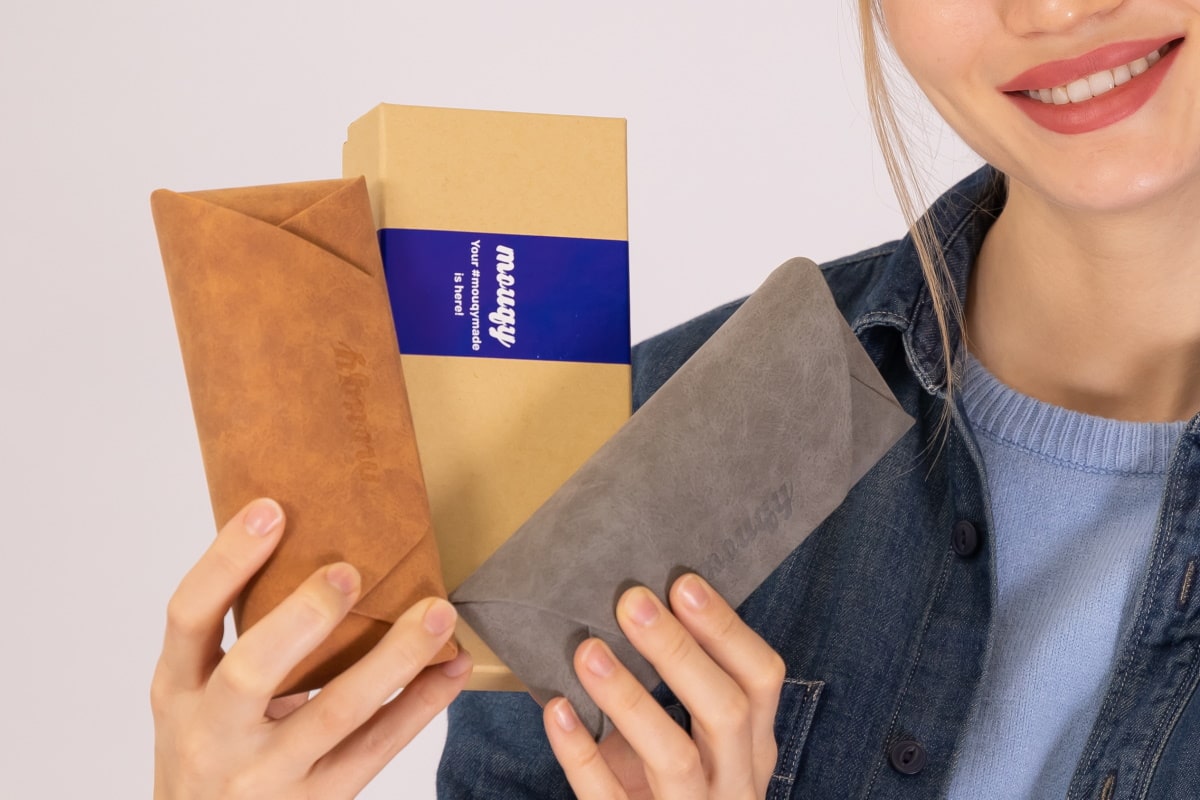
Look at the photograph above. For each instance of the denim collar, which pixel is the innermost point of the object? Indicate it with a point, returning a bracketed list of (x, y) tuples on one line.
[(961, 218)]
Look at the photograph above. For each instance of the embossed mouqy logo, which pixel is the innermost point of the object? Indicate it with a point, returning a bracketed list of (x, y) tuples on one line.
[(774, 509), (354, 383)]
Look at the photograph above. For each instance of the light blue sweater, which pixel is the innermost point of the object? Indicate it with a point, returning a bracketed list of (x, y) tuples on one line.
[(1074, 504)]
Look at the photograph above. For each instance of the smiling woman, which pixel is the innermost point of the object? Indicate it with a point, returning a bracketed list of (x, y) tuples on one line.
[(1004, 606)]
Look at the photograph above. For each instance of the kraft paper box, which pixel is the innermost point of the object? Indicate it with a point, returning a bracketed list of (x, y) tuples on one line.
[(505, 244)]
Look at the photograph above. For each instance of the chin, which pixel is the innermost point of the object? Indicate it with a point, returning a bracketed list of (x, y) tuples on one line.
[(1111, 185)]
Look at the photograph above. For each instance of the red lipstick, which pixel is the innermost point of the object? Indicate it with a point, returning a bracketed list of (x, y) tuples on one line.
[(1100, 111), (1058, 73)]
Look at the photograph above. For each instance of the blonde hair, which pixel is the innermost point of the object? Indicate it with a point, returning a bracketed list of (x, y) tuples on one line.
[(905, 182)]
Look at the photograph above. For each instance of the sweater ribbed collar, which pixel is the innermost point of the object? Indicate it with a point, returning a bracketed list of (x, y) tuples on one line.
[(1070, 438)]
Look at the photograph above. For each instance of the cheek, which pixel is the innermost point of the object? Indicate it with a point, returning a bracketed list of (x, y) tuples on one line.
[(938, 40)]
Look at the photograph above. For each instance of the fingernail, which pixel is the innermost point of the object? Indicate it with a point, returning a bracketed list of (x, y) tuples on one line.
[(564, 715), (262, 517), (694, 592), (439, 617), (641, 606), (597, 659), (342, 577), (458, 665)]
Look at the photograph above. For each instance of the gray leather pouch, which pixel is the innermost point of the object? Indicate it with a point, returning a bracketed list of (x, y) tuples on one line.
[(724, 471)]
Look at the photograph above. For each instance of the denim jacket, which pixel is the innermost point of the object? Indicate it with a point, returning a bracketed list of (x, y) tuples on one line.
[(884, 614)]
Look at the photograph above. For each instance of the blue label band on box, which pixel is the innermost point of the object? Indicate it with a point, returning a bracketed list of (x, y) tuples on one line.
[(490, 295)]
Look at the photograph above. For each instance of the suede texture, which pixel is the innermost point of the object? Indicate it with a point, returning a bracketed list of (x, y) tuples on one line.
[(296, 386), (747, 448)]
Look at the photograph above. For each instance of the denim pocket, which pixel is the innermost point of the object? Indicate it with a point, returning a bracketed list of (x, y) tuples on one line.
[(797, 704)]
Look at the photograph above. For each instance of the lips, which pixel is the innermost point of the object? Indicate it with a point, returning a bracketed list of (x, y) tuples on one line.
[(1059, 73), (1077, 108)]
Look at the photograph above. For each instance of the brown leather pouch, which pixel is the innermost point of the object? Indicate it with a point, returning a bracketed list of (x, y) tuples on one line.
[(294, 373)]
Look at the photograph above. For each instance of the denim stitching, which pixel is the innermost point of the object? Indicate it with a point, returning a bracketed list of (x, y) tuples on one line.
[(812, 693), (918, 369), (940, 587), (873, 318), (1123, 668), (1162, 732), (911, 355), (1165, 522), (1110, 784), (1185, 591)]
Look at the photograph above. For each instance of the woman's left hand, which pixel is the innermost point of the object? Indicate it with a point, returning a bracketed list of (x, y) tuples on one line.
[(727, 677)]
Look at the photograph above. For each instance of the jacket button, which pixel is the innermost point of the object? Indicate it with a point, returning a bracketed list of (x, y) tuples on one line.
[(908, 756), (965, 539)]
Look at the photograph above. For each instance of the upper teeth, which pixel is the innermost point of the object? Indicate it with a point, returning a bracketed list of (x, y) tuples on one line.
[(1099, 83)]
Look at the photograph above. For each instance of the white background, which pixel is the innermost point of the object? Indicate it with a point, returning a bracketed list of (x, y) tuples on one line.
[(749, 142)]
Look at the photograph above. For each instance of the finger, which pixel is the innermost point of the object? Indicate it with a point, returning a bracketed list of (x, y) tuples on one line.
[(360, 757), (742, 654), (246, 678), (719, 708), (586, 770), (280, 707), (351, 698), (196, 611), (673, 765)]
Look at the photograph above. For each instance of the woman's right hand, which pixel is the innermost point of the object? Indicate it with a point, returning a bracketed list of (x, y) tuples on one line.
[(218, 734)]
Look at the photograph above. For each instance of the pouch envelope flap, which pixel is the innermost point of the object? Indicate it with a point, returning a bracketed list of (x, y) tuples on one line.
[(272, 203), (725, 470), (876, 412), (335, 223), (297, 391)]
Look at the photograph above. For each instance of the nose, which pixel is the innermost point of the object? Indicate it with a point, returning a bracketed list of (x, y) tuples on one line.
[(1024, 17)]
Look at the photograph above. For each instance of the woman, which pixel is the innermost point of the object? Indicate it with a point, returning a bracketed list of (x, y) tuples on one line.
[(1004, 607)]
